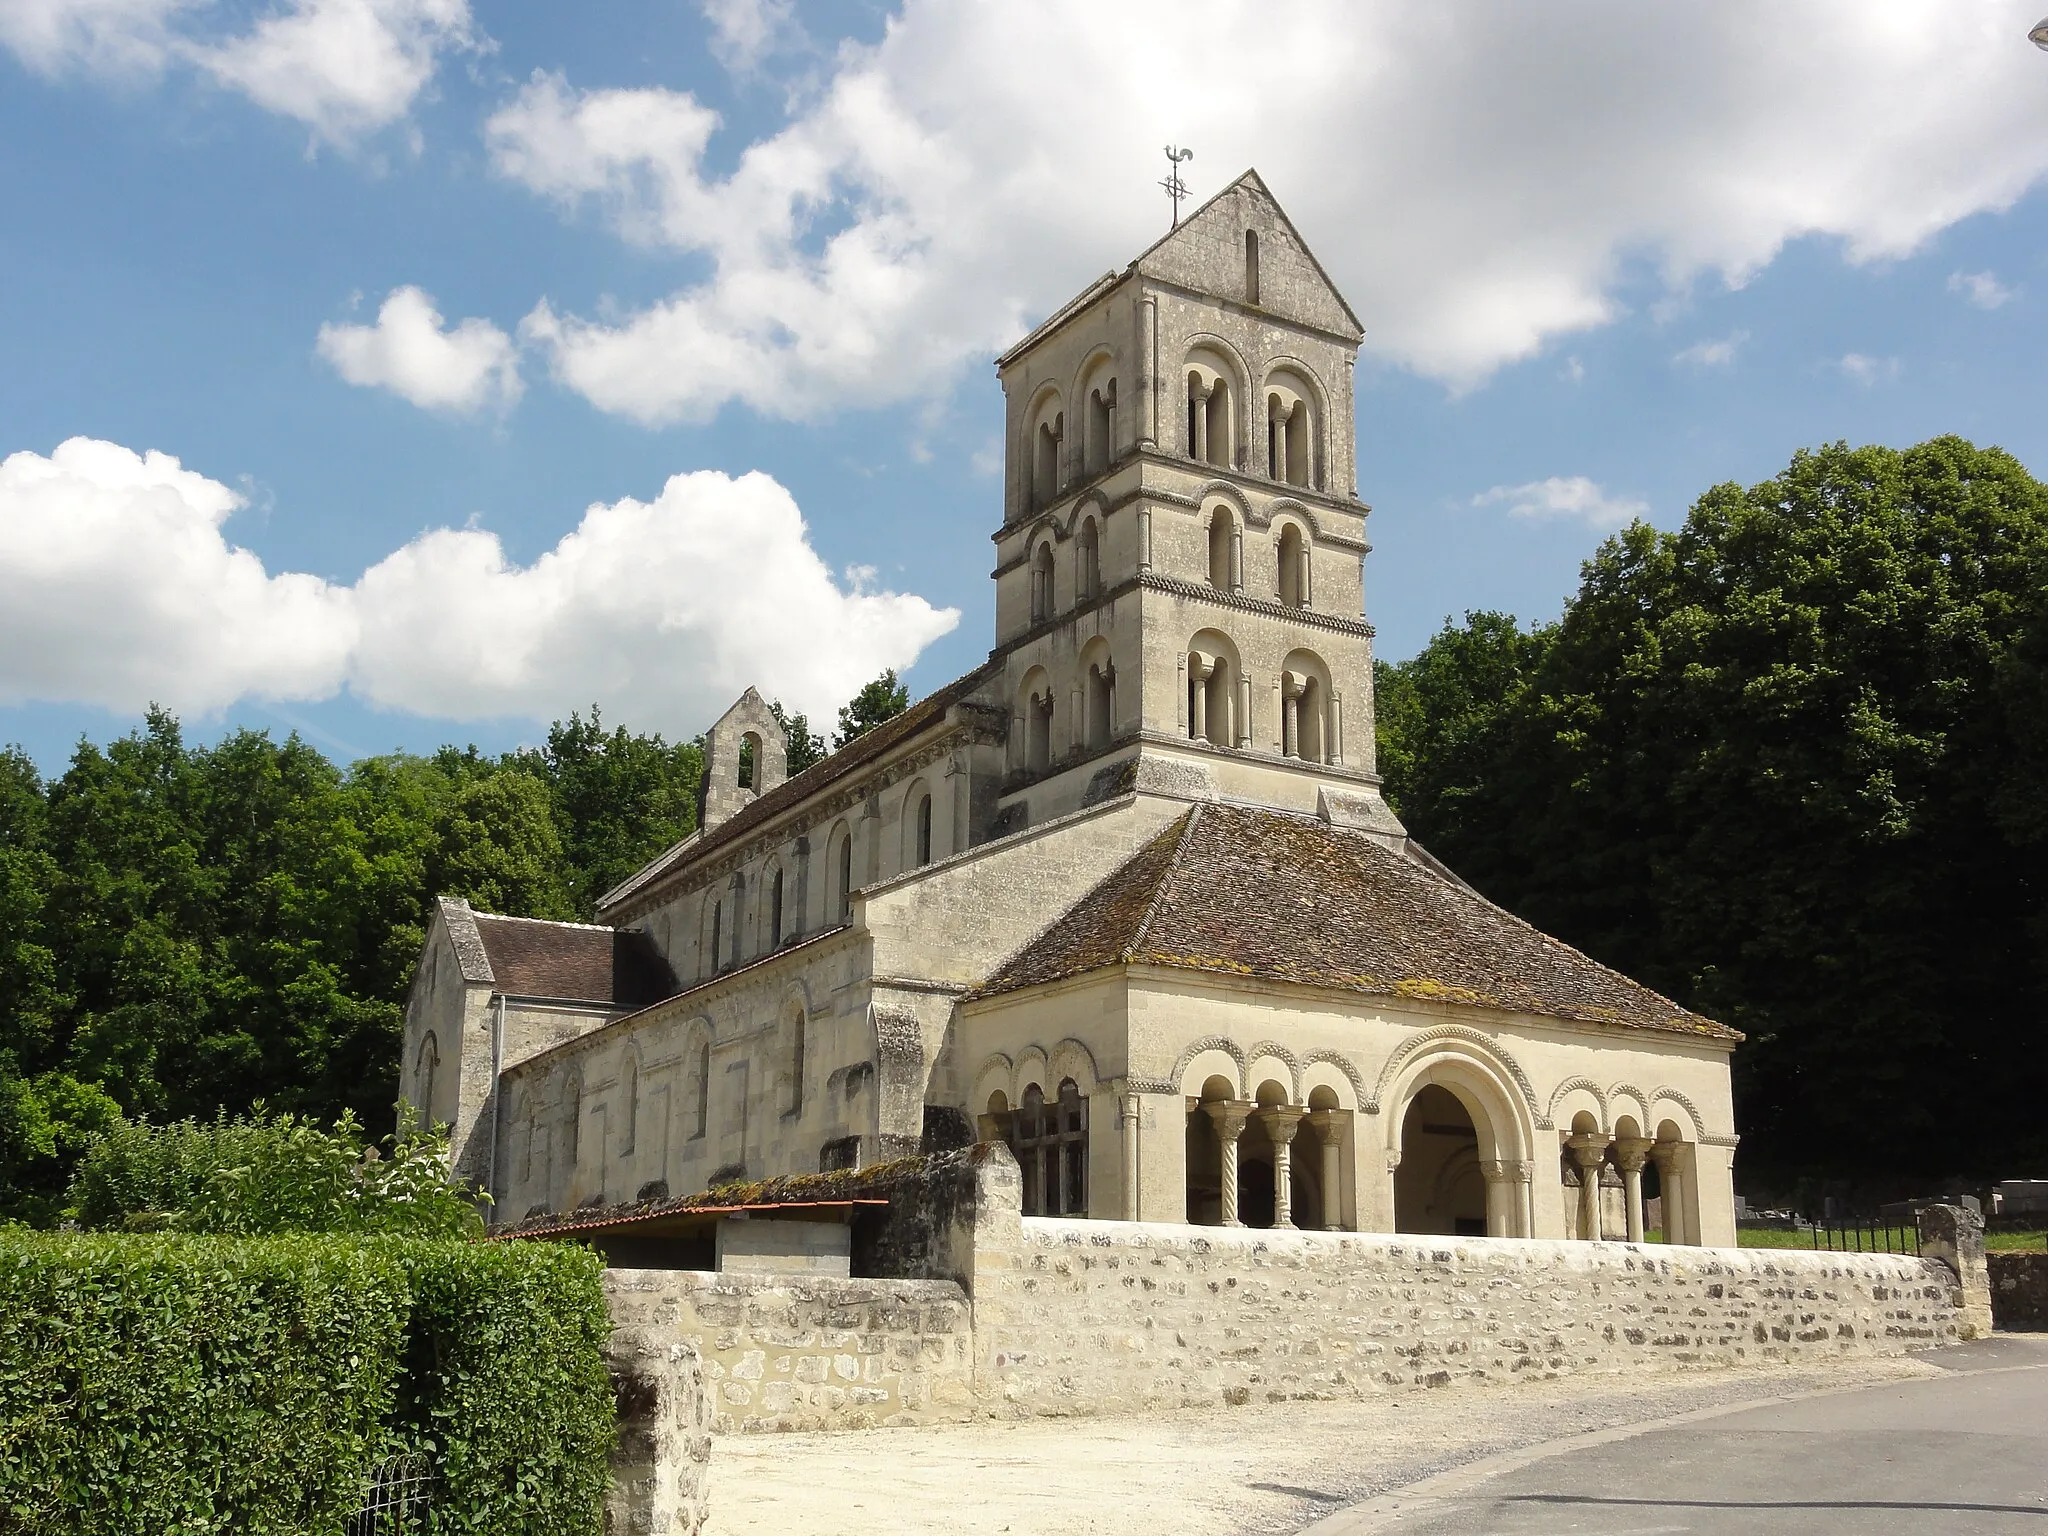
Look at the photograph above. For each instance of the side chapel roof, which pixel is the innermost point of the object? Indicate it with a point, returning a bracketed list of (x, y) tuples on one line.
[(1244, 892), (578, 962)]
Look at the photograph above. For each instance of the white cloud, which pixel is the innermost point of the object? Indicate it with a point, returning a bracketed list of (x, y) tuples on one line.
[(1572, 496), (1713, 354), (1477, 191), (1573, 371), (1869, 370), (118, 587), (410, 352), (1983, 289), (745, 32), (345, 68)]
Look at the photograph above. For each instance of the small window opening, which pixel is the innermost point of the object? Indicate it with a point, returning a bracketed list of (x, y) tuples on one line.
[(1038, 733), (703, 1091), (749, 754), (1101, 678), (924, 830), (796, 1061), (1051, 1145), (1251, 266), (1221, 535), (1087, 562), (775, 910), (846, 880), (1041, 585), (717, 932)]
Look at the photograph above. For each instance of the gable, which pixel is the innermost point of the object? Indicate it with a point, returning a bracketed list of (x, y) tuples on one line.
[(1207, 253)]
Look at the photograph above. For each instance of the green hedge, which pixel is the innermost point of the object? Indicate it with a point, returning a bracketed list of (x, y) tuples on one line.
[(199, 1384)]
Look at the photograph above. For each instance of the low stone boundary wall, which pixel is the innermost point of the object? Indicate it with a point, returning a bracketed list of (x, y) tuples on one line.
[(2019, 1289), (1085, 1317), (781, 1352), (664, 1444)]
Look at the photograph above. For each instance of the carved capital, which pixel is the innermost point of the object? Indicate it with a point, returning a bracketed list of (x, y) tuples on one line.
[(1229, 1116), (1281, 1122)]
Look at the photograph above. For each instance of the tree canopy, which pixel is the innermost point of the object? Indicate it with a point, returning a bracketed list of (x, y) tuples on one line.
[(1789, 764)]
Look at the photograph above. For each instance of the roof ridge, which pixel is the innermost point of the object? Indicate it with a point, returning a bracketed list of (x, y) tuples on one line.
[(1180, 844), (546, 922)]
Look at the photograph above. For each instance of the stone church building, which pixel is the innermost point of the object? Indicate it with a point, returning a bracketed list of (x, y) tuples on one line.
[(1126, 897)]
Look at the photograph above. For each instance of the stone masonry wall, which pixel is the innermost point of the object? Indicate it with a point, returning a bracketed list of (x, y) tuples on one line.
[(1090, 1317), (784, 1353)]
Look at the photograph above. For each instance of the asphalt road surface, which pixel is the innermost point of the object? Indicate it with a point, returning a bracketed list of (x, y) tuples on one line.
[(1953, 1455)]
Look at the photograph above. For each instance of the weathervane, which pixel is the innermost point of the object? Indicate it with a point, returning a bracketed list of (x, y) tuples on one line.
[(1175, 187)]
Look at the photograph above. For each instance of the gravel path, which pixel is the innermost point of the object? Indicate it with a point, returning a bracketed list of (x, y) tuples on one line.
[(1271, 1467)]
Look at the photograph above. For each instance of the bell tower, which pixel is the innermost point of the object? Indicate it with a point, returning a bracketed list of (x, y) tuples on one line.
[(1179, 583)]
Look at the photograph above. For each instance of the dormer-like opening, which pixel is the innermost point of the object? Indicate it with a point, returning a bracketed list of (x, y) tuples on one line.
[(750, 754), (1251, 266)]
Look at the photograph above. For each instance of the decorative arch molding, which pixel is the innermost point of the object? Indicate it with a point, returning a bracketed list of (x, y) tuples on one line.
[(1287, 362), (1096, 356), (1281, 1054), (1195, 1048), (1049, 390), (1443, 1034), (1068, 1051), (1209, 341), (1287, 506), (1569, 1086), (1323, 1055), (1003, 1070), (1619, 1091), (1223, 490), (1692, 1113)]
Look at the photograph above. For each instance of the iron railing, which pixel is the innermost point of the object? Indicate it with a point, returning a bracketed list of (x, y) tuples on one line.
[(1849, 1234), (398, 1496)]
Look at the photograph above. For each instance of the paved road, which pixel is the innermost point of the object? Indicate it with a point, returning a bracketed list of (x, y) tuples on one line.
[(1953, 1455)]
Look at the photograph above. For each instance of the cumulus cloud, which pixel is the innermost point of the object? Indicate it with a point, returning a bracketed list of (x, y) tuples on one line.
[(745, 32), (938, 189), (345, 68), (1713, 354), (411, 352), (118, 586), (1867, 371), (1982, 289), (1572, 496)]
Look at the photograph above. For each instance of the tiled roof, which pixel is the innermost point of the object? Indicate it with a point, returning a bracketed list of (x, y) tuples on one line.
[(1258, 893), (614, 966), (857, 753)]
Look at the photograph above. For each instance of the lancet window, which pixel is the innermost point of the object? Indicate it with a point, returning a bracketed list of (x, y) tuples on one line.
[(1050, 1141)]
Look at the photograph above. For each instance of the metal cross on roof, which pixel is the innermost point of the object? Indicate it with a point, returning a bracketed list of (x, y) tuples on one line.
[(1175, 187)]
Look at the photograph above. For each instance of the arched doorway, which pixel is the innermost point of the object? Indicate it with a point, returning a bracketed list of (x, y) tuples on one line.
[(1439, 1186)]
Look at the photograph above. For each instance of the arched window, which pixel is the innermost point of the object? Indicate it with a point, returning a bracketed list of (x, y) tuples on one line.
[(1218, 709), (1251, 266), (1209, 424), (1087, 562), (775, 910), (1045, 460), (424, 1067), (843, 881), (1101, 679), (703, 1092), (1307, 726), (1101, 416), (1290, 425), (572, 1120), (629, 1104), (1294, 567), (750, 754), (924, 830), (1224, 560), (717, 933), (1051, 1145), (1041, 584), (796, 1025)]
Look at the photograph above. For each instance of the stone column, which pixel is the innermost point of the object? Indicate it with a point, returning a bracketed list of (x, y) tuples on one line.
[(1291, 686), (1237, 559), (1671, 1186), (1244, 713), (1229, 1116), (1148, 310), (1198, 395), (1329, 1131), (1630, 1153), (1337, 728), (1588, 1152), (1199, 668), (1524, 1173), (1302, 590), (1128, 1109), (1281, 1122), (1500, 1196), (1279, 415), (1145, 535), (1180, 702)]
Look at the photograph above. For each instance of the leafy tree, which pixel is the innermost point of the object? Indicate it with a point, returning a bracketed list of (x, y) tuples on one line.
[(500, 848), (883, 699), (805, 748), (1786, 764)]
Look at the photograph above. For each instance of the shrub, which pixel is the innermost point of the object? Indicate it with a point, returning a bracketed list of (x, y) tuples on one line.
[(253, 1176), (210, 1384)]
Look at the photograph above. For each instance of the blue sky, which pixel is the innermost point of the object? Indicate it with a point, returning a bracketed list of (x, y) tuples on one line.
[(1604, 262)]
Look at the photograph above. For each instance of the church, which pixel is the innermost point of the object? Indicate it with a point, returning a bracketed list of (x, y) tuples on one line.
[(1126, 898)]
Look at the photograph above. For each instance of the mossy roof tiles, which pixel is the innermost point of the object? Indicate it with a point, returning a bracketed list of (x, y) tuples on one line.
[(1243, 892)]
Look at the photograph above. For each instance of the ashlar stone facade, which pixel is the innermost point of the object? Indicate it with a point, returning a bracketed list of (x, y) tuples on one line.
[(1127, 898)]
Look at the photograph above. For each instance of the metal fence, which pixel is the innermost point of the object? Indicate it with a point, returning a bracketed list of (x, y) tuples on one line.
[(398, 1496), (1867, 1235)]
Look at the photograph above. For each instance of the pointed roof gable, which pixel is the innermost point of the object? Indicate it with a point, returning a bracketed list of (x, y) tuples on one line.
[(1242, 892), (1205, 252)]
